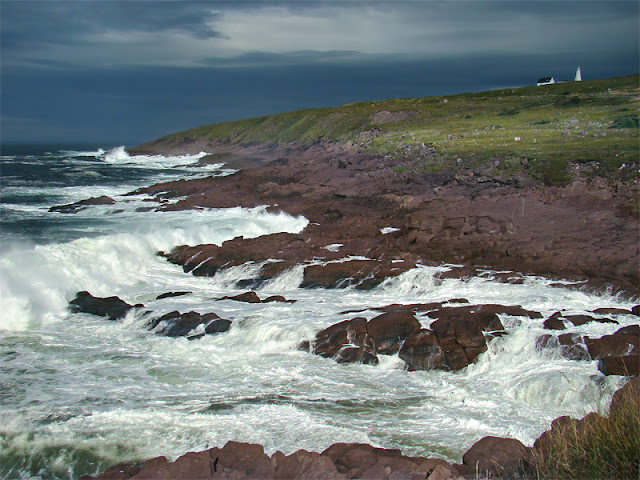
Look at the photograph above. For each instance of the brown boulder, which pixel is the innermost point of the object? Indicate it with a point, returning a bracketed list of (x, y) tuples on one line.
[(554, 322), (389, 330), (496, 456), (304, 465), (623, 342), (364, 461), (422, 351), (460, 331), (346, 341), (247, 297), (625, 397), (627, 365)]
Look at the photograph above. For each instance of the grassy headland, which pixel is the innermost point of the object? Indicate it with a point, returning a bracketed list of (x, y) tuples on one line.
[(552, 133)]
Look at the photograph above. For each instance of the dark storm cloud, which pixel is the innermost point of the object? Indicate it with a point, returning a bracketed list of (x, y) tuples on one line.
[(135, 70)]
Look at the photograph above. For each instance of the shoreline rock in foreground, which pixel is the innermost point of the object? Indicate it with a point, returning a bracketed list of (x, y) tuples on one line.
[(491, 457)]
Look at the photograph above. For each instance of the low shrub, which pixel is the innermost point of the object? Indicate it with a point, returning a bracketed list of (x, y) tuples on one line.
[(626, 121), (596, 447), (552, 171)]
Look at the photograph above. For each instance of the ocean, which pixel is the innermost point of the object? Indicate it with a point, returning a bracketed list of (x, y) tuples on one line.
[(79, 393)]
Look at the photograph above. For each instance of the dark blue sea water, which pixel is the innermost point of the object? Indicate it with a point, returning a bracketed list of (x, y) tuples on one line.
[(79, 393)]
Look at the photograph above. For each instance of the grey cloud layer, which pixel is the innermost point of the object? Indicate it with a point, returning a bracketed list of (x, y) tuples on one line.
[(111, 34)]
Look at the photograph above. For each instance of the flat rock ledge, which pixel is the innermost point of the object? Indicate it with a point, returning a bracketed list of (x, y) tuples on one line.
[(489, 457)]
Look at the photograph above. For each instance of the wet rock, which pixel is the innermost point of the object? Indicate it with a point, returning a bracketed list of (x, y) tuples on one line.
[(304, 465), (252, 297), (422, 351), (623, 342), (82, 204), (356, 460), (247, 297), (627, 365), (172, 294), (578, 320), (460, 332), (612, 311), (554, 322), (346, 341), (112, 307), (278, 299), (453, 341), (624, 397), (389, 330), (363, 274), (496, 456), (191, 324)]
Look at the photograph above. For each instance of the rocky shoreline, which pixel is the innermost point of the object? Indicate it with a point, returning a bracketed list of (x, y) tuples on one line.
[(490, 457), (370, 222), (471, 218)]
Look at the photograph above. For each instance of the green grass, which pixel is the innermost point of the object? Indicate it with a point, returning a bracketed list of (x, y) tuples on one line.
[(556, 128)]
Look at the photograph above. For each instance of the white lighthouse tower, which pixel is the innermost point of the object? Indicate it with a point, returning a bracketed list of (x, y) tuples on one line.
[(578, 76)]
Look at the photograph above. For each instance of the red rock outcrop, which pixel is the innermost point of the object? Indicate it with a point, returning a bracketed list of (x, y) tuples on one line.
[(452, 342)]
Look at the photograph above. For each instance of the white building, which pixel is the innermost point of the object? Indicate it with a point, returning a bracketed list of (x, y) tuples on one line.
[(551, 80), (546, 81)]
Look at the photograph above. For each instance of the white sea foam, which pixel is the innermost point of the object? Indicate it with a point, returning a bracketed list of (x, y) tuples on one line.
[(120, 156), (37, 281), (75, 153)]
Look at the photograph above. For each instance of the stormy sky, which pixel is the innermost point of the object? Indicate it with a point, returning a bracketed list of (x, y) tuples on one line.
[(131, 71)]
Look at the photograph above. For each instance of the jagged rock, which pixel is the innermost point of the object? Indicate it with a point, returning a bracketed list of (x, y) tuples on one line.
[(357, 460), (460, 332), (624, 397), (112, 307), (554, 322), (191, 324)]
